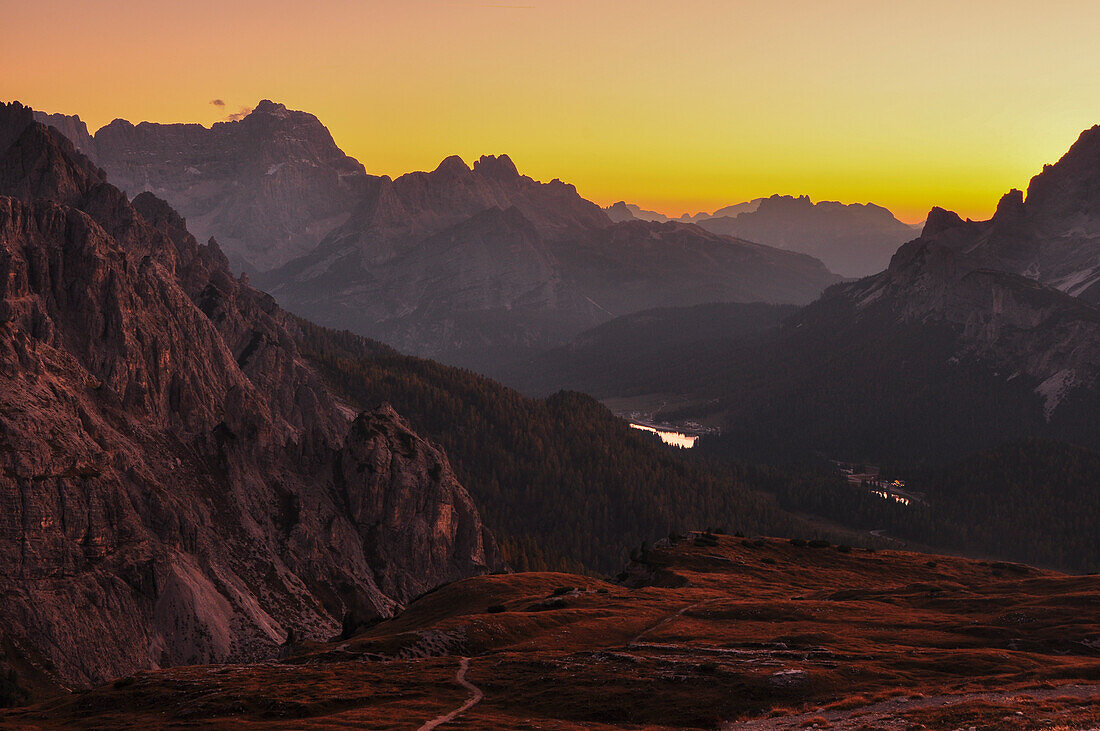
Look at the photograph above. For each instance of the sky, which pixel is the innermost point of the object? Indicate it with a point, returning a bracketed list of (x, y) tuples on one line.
[(678, 106)]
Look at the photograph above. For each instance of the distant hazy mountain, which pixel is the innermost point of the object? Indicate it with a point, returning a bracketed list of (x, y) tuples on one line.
[(623, 211), (853, 240), (481, 265), (730, 211), (269, 187)]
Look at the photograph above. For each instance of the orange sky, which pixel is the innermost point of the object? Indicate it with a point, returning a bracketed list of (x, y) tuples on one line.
[(678, 106)]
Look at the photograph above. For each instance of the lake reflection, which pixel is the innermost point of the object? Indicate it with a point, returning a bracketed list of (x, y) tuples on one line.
[(674, 438)]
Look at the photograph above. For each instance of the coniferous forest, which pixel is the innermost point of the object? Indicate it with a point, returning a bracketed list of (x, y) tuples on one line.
[(563, 483), (567, 485)]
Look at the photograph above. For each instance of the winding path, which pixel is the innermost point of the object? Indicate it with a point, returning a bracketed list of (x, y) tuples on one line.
[(475, 697), (665, 621)]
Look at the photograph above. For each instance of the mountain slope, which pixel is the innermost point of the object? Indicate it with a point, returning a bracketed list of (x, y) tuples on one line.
[(1052, 235), (562, 482), (268, 186), (177, 483), (930, 360), (478, 266), (648, 351)]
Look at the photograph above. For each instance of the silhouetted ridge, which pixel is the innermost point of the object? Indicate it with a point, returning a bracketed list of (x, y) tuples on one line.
[(501, 168)]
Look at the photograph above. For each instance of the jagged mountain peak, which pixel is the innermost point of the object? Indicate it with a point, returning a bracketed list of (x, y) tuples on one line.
[(266, 106), (500, 167), (1071, 185), (268, 186), (14, 118), (940, 219), (452, 165), (1051, 235)]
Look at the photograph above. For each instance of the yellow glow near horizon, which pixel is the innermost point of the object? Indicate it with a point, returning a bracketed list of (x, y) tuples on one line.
[(677, 106)]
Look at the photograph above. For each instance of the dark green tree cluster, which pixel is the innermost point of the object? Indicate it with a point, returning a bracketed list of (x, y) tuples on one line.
[(562, 482), (1032, 501)]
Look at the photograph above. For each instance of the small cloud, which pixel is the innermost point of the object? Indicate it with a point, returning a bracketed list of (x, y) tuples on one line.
[(217, 102), (238, 116)]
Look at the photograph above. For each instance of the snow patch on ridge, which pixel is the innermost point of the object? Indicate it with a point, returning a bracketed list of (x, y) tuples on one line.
[(1054, 389)]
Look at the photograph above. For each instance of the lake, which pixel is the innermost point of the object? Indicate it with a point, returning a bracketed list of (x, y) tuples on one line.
[(675, 438)]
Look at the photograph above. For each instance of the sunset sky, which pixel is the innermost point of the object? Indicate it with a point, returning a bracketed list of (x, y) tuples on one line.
[(677, 106)]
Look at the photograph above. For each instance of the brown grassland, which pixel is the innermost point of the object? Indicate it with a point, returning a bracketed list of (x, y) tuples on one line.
[(748, 633)]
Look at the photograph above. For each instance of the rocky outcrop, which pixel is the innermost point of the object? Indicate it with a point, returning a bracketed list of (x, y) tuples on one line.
[(176, 484), (481, 265), (1052, 235), (414, 518), (269, 186), (74, 129)]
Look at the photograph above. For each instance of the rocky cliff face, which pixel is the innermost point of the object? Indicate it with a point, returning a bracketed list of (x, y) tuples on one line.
[(1013, 325), (1022, 288), (268, 186), (1052, 235), (477, 266), (176, 485)]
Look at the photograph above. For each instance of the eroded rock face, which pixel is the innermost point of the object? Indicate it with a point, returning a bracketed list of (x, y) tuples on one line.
[(268, 186), (413, 516), (1052, 235), (174, 480)]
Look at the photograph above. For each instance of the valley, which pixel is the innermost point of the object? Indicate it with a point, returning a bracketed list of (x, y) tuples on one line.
[(364, 406)]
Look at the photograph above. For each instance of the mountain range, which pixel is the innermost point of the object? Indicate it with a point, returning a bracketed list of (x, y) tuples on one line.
[(190, 474), (481, 265), (853, 240), (470, 265)]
